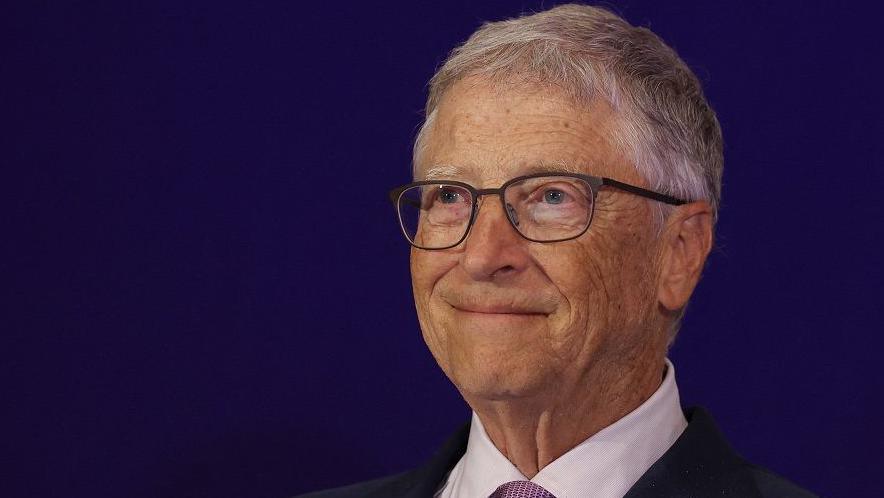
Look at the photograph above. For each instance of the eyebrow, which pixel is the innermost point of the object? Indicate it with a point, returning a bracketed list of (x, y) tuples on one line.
[(552, 167), (446, 171), (443, 172)]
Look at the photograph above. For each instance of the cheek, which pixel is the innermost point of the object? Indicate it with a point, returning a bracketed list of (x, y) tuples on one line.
[(578, 274), (427, 268), (597, 277)]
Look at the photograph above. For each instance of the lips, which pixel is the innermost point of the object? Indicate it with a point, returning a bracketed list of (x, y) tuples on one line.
[(499, 302), (497, 310)]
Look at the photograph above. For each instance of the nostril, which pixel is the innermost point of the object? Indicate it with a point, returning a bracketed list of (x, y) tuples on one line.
[(502, 271)]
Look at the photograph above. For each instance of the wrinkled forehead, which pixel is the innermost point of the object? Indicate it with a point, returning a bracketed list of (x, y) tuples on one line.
[(488, 133)]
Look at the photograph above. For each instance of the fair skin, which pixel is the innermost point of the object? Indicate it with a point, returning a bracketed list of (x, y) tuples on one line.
[(549, 343)]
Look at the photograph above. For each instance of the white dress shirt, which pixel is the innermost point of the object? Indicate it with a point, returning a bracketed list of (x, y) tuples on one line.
[(604, 466)]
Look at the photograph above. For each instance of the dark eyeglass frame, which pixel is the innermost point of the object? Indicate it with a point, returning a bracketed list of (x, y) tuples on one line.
[(595, 184)]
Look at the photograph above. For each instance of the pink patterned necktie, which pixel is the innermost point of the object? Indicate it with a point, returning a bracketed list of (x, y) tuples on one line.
[(520, 489)]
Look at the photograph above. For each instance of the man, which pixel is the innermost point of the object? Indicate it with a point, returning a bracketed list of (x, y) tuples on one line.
[(567, 180)]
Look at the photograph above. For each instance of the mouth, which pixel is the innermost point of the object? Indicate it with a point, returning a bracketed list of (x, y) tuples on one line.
[(497, 310), (490, 303)]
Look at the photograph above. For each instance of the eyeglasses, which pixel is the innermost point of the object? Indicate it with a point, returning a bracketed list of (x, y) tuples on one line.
[(544, 207)]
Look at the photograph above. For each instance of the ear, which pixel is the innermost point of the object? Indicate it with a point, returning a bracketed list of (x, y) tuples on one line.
[(686, 242)]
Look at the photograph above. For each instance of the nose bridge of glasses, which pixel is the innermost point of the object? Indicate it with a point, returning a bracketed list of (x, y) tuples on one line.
[(483, 192), (508, 210)]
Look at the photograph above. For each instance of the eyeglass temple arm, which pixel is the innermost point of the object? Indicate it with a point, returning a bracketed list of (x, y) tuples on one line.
[(643, 192)]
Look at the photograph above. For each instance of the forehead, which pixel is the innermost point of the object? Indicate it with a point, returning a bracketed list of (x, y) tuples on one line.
[(488, 133)]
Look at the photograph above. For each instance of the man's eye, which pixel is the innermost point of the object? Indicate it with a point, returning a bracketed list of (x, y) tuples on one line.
[(449, 196), (554, 196)]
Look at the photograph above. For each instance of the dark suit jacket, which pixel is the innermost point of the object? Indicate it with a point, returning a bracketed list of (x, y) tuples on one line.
[(700, 464)]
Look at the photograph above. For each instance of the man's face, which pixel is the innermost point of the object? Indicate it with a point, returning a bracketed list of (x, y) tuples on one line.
[(506, 317)]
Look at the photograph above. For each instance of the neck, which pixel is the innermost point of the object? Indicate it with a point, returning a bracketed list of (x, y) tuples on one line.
[(534, 431)]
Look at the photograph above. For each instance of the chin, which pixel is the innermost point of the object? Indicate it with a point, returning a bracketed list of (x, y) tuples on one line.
[(498, 381), (503, 361)]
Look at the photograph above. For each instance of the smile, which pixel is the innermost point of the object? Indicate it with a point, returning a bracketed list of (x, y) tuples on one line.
[(497, 310)]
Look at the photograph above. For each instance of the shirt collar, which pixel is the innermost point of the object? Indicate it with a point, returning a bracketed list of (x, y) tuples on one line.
[(605, 465)]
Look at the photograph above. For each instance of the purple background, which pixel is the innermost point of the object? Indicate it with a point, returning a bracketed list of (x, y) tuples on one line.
[(205, 292)]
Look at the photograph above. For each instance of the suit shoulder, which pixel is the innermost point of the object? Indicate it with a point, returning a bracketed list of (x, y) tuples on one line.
[(773, 485), (702, 463)]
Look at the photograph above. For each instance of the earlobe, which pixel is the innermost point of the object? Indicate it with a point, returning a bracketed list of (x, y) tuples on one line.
[(686, 242)]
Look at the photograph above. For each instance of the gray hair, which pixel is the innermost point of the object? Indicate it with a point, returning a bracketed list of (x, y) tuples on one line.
[(665, 124)]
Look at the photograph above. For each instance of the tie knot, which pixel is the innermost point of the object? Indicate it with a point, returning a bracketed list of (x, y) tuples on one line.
[(520, 489)]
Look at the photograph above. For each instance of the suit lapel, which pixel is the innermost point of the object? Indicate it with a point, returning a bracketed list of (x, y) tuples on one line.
[(700, 463)]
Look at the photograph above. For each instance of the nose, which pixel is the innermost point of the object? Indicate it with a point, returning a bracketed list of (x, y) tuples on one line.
[(494, 250)]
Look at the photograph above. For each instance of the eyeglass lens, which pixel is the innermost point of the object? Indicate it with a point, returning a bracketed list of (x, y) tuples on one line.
[(543, 209)]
